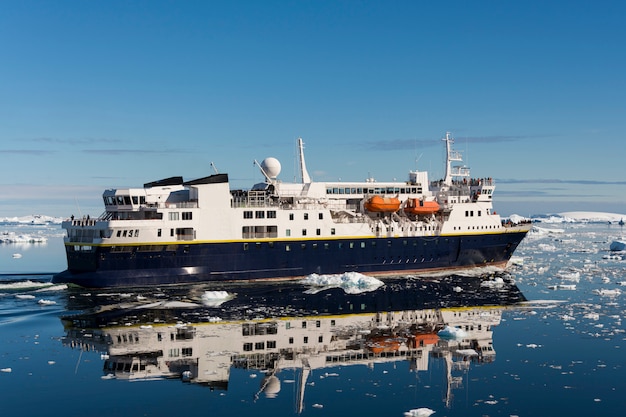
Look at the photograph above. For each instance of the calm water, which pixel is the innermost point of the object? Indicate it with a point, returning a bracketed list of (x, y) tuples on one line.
[(287, 350)]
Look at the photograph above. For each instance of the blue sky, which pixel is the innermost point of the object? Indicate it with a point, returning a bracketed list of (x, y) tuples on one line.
[(97, 95)]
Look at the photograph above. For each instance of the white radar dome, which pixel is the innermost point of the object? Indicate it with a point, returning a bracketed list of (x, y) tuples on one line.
[(271, 166), (272, 386)]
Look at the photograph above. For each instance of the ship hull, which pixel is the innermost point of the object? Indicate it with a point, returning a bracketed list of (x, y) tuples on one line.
[(105, 266)]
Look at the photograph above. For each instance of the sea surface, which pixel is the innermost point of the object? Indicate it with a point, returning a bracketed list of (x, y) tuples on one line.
[(545, 337)]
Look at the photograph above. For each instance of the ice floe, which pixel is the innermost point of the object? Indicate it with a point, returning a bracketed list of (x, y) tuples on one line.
[(419, 412), (216, 298), (450, 332), (350, 282)]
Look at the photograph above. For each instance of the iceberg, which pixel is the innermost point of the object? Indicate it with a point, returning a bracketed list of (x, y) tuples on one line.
[(618, 245), (216, 298), (450, 332), (350, 282), (419, 412)]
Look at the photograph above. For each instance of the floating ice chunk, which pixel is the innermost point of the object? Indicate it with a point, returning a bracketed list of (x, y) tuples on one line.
[(592, 316), (24, 296), (547, 248), (567, 287), (6, 370), (533, 346), (457, 289), (608, 293), (51, 362), (569, 276), (216, 298), (350, 282), (419, 412), (466, 352), (496, 282), (450, 332), (46, 302), (317, 405)]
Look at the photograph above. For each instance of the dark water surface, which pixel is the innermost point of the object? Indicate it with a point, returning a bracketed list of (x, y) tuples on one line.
[(544, 338)]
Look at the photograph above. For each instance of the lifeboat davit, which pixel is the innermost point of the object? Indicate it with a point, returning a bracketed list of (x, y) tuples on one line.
[(420, 207), (380, 204)]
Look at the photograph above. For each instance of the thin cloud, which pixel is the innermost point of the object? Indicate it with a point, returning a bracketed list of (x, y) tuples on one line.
[(25, 152), (131, 151), (400, 144), (558, 181), (411, 144), (73, 142), (490, 139)]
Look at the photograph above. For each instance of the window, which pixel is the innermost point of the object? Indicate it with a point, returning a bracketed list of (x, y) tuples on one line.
[(320, 339), (306, 339), (173, 215), (288, 232), (332, 231), (259, 214), (321, 216), (247, 347), (259, 346), (187, 215), (247, 214), (318, 231), (290, 216), (306, 216), (271, 344), (303, 232), (271, 214), (187, 351), (291, 340), (159, 232)]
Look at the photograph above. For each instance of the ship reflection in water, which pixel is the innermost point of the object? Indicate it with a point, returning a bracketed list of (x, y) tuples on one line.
[(269, 329)]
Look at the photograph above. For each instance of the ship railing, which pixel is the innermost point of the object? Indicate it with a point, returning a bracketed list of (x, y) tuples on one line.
[(84, 221), (180, 204)]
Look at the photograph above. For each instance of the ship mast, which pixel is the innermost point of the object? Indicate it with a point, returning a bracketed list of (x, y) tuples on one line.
[(453, 156), (303, 172)]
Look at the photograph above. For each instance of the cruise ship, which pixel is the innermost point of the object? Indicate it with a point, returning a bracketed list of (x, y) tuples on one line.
[(173, 231)]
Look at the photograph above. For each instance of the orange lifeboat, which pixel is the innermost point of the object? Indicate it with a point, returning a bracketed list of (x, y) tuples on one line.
[(420, 340), (380, 204), (420, 207), (383, 344)]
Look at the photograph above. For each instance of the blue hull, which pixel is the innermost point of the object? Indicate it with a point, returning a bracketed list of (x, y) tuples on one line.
[(240, 261)]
